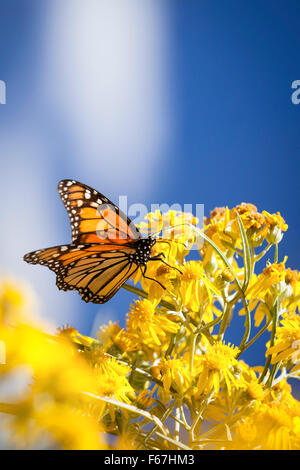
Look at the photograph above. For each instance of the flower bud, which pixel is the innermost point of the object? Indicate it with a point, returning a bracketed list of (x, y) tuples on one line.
[(274, 235)]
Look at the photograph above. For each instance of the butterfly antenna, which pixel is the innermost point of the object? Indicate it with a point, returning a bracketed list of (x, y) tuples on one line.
[(171, 227), (165, 240)]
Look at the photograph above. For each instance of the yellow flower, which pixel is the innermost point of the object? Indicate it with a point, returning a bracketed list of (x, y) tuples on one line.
[(107, 334), (287, 341), (175, 373), (216, 365), (71, 429), (247, 392), (218, 228), (255, 391), (50, 358), (292, 280), (18, 303), (223, 228), (271, 280), (74, 336), (271, 426), (281, 392), (59, 375), (148, 327), (164, 274), (110, 377), (41, 420), (249, 386), (250, 216), (173, 224), (145, 399), (246, 433), (276, 427), (275, 282), (216, 409), (126, 341), (170, 358), (276, 225), (195, 287)]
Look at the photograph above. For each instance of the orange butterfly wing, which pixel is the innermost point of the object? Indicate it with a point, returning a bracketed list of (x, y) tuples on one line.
[(96, 271), (93, 217)]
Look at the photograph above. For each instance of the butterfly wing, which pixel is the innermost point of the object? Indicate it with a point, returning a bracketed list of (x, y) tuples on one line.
[(93, 217), (96, 271)]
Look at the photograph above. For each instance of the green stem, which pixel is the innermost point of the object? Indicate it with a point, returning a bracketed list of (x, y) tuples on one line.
[(276, 253), (192, 354), (154, 429), (177, 423), (224, 322), (207, 326), (274, 325), (180, 445), (158, 423), (199, 416), (236, 281), (247, 329), (185, 424), (247, 345), (171, 345), (262, 253), (273, 372), (246, 253)]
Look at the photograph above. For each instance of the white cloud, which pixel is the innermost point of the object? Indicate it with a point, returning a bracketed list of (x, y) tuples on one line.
[(107, 72)]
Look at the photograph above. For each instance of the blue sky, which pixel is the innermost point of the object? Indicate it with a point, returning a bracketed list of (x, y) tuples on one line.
[(175, 101)]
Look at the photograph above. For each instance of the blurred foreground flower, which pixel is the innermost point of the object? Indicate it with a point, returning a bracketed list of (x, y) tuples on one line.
[(170, 379)]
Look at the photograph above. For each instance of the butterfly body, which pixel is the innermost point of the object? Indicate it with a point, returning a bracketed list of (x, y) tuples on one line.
[(106, 247)]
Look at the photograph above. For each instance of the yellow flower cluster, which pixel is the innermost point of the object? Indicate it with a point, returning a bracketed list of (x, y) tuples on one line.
[(170, 379)]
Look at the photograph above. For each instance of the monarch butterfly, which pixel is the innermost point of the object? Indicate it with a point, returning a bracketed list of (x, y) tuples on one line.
[(106, 249)]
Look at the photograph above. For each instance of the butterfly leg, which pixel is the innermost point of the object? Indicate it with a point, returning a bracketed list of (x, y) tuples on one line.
[(151, 278), (167, 242), (158, 258)]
